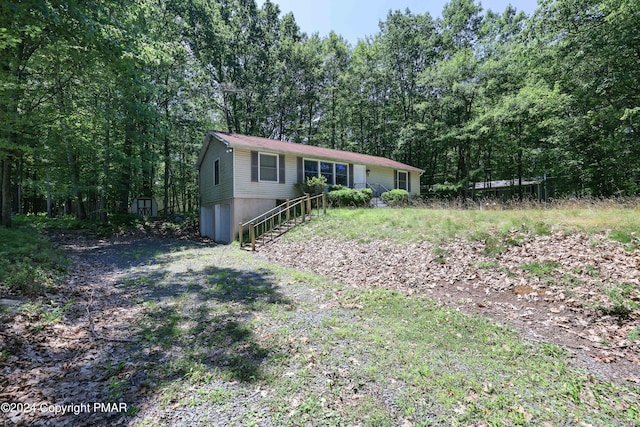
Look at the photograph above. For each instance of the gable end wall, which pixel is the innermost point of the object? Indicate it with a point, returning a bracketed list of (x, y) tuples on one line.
[(210, 193)]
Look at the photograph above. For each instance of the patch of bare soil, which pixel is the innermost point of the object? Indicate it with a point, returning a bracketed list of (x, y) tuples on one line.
[(581, 292)]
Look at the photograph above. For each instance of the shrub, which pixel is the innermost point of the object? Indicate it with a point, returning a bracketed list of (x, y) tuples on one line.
[(446, 191), (124, 220), (311, 186), (395, 197), (29, 264), (349, 197)]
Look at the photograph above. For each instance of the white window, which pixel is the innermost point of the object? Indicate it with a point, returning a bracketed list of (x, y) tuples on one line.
[(310, 169), (216, 172), (326, 170), (267, 167), (335, 173), (342, 174), (403, 180)]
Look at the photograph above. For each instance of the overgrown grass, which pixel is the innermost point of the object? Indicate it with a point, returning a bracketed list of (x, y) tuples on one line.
[(436, 225), (289, 348), (69, 223), (29, 263), (116, 224)]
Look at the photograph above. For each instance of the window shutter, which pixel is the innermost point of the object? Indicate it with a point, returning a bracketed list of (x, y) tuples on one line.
[(350, 182), (409, 182), (281, 171), (395, 179), (300, 172), (254, 166)]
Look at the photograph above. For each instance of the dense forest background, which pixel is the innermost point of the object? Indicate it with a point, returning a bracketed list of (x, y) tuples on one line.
[(104, 101)]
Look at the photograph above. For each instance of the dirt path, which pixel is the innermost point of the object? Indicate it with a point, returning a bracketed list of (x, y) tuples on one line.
[(73, 349), (581, 292)]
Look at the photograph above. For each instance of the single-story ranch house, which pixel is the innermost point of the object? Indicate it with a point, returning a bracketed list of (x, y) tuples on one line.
[(241, 177)]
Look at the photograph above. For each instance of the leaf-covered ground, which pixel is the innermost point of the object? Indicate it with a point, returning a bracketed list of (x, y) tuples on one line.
[(188, 333), (579, 291)]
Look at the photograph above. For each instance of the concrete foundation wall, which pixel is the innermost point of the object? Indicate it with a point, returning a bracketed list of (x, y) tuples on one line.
[(247, 209)]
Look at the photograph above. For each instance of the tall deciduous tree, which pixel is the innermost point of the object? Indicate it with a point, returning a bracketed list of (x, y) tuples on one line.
[(590, 51)]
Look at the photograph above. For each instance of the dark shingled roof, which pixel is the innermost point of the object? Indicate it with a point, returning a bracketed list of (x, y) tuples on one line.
[(257, 143)]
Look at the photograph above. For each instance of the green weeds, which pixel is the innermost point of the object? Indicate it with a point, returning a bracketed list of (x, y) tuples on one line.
[(629, 237), (116, 223), (620, 301), (541, 269), (508, 227), (29, 264), (440, 255), (42, 315)]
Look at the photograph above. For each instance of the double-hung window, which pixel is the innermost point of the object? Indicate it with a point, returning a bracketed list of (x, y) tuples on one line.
[(403, 180), (326, 170), (310, 169), (267, 167), (342, 174)]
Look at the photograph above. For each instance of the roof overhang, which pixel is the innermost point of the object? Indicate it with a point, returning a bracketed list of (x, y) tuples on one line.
[(205, 146), (303, 150)]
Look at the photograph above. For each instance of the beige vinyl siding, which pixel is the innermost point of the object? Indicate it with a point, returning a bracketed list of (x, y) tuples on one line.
[(380, 175), (208, 191), (386, 177), (245, 188)]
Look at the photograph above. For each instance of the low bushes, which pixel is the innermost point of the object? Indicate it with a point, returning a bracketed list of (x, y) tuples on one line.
[(311, 186), (339, 196), (395, 197)]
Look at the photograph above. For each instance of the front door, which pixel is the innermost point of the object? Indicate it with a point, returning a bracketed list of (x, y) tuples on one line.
[(359, 177)]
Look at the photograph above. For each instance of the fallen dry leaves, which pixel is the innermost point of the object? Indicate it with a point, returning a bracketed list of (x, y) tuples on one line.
[(579, 291), (86, 356), (65, 361)]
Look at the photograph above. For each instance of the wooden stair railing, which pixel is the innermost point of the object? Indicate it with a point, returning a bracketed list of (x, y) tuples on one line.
[(280, 219)]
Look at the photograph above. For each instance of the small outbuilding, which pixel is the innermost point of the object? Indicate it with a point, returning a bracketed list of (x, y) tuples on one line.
[(144, 206), (506, 189)]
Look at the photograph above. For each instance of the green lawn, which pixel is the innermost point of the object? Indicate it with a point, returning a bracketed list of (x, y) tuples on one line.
[(260, 344), (435, 225), (225, 337)]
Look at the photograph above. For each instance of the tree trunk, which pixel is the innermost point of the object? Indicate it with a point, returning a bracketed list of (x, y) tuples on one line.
[(520, 193), (1, 186), (125, 177), (105, 174), (48, 187), (6, 191), (167, 160), (72, 161)]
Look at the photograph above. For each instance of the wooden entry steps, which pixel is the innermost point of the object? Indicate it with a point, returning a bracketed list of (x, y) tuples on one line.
[(274, 223)]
